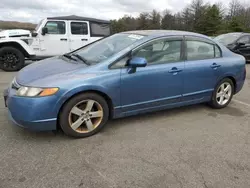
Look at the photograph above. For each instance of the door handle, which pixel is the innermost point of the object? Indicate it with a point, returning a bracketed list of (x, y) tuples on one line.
[(215, 65), (84, 39), (174, 70), (64, 39)]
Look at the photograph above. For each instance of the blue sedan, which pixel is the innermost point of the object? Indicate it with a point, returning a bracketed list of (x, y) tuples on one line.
[(122, 75)]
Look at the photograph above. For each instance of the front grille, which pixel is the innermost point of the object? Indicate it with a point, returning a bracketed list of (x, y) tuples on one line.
[(15, 85)]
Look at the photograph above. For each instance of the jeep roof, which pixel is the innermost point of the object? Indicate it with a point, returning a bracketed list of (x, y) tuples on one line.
[(79, 18)]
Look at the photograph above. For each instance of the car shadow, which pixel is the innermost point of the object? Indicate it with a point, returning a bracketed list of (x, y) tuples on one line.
[(152, 116), (115, 124), (112, 125)]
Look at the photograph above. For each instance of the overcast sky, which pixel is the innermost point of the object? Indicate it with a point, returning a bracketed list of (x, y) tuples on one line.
[(34, 10)]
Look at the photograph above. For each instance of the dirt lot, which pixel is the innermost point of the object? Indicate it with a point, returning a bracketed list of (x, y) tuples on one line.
[(182, 148)]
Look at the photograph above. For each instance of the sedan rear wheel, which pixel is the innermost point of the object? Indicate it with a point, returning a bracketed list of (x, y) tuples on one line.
[(223, 94), (84, 115)]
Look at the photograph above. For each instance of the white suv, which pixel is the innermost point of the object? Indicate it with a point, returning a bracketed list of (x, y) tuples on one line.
[(52, 36)]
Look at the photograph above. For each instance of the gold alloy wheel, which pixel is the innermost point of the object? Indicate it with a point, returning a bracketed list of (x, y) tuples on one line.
[(85, 116)]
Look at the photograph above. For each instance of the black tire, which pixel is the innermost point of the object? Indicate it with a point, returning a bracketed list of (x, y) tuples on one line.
[(65, 112), (214, 103), (16, 59)]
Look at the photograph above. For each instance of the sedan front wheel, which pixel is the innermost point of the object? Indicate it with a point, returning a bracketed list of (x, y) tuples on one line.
[(84, 115)]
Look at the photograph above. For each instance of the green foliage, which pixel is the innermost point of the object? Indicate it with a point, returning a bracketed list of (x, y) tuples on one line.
[(235, 25), (155, 20), (198, 17), (211, 20), (143, 21)]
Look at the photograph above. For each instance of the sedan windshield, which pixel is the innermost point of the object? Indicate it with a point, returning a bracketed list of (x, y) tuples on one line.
[(227, 38), (107, 47)]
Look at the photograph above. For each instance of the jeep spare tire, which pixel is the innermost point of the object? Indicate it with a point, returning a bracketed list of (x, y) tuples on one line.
[(11, 59)]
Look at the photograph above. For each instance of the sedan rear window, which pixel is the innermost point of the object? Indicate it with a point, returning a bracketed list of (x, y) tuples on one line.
[(198, 50)]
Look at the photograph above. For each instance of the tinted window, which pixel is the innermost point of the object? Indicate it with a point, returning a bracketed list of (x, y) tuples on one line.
[(161, 51), (98, 29), (79, 28), (244, 39), (56, 27), (197, 50)]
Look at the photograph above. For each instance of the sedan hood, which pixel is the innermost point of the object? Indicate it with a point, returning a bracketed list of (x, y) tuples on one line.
[(45, 68)]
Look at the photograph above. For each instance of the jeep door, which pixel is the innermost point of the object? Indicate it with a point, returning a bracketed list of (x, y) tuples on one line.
[(55, 41), (79, 34)]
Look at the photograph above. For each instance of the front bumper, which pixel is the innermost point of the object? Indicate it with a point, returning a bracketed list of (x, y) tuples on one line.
[(35, 114), (46, 125)]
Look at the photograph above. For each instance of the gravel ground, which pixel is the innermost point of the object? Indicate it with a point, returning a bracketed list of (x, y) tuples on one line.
[(187, 147)]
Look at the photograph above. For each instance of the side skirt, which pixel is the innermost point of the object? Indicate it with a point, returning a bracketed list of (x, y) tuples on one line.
[(118, 110)]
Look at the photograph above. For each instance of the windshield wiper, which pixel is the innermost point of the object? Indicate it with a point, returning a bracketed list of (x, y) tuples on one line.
[(69, 57), (81, 58)]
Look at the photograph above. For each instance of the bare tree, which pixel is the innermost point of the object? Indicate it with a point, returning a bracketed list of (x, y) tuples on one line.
[(235, 8)]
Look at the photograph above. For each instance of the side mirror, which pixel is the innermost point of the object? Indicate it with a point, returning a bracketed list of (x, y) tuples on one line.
[(44, 30), (33, 34), (241, 44), (136, 62)]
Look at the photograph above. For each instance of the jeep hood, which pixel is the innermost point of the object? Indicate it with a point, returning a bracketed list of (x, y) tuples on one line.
[(15, 33)]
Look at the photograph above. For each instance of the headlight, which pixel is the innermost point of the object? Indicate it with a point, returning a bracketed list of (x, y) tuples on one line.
[(33, 92)]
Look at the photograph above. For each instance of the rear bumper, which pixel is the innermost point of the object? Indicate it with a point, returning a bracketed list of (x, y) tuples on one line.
[(239, 86)]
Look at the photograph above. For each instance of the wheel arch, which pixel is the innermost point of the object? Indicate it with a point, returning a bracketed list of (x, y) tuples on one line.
[(231, 77), (96, 91), (234, 82), (18, 45)]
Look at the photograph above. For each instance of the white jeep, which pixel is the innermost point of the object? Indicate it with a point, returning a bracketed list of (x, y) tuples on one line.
[(53, 36)]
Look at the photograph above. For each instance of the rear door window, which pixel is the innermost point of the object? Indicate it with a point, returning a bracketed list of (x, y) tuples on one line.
[(79, 28), (99, 29), (199, 50)]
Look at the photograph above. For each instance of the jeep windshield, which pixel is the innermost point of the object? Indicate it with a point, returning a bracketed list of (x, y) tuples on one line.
[(107, 47), (38, 25)]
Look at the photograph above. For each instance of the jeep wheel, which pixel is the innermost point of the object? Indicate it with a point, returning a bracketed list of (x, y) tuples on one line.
[(11, 59)]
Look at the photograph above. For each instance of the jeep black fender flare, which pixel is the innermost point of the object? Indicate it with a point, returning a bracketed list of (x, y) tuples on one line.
[(19, 44)]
